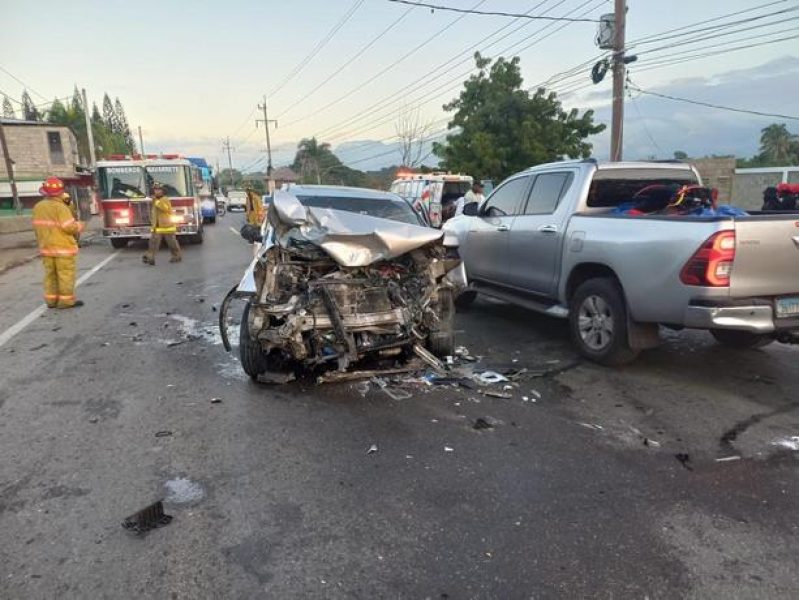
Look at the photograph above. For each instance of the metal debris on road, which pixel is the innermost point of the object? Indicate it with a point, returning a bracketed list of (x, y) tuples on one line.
[(372, 449), (788, 443), (216, 400), (728, 458), (591, 426), (428, 358), (651, 443), (164, 433), (481, 423), (448, 449), (147, 518), (338, 376), (276, 377), (493, 394), (490, 377)]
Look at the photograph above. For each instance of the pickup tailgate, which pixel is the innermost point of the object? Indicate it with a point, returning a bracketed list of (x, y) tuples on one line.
[(766, 257)]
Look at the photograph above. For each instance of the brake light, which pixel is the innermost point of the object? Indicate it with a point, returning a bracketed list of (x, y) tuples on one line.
[(711, 265), (122, 216)]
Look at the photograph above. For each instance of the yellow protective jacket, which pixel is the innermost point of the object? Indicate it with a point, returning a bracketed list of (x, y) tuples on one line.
[(254, 208), (55, 228), (161, 216)]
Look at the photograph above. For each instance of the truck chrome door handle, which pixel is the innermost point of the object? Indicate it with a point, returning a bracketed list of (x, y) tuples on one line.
[(548, 229), (503, 228)]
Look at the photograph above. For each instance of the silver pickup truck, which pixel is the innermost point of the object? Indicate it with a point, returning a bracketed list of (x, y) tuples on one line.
[(547, 239)]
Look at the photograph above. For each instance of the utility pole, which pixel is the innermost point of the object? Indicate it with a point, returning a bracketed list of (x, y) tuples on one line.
[(89, 132), (9, 169), (226, 146), (141, 142), (266, 121), (617, 122)]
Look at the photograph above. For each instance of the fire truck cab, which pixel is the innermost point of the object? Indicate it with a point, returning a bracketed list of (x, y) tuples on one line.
[(431, 192), (124, 185)]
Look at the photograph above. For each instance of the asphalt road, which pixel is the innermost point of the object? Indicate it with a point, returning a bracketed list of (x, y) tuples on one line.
[(573, 492)]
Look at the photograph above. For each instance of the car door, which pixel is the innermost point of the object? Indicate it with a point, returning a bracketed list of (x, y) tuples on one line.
[(535, 237), (484, 253)]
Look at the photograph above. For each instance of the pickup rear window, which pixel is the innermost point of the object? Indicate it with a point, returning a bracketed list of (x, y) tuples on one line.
[(612, 187)]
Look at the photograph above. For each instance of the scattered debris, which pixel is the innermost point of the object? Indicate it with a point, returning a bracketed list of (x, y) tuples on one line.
[(147, 518), (200, 300), (393, 393), (507, 387), (536, 393), (372, 449), (493, 394), (276, 377), (216, 400), (651, 443), (39, 347), (105, 344), (337, 376), (591, 426), (481, 423), (174, 343), (183, 491), (728, 458), (126, 306), (133, 324), (448, 449), (491, 377), (94, 419), (213, 309), (164, 433), (428, 357), (789, 443), (684, 459)]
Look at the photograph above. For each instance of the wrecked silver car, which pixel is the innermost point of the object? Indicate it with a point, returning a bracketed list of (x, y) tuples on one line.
[(332, 287)]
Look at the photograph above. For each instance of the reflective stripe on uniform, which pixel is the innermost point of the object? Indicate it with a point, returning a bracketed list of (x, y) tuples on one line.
[(70, 297), (45, 223), (50, 296), (165, 230), (58, 251)]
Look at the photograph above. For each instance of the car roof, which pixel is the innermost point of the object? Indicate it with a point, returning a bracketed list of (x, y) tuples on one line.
[(342, 191)]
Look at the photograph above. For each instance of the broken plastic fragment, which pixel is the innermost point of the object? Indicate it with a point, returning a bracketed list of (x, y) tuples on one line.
[(491, 377), (147, 518), (448, 449), (728, 458), (372, 449)]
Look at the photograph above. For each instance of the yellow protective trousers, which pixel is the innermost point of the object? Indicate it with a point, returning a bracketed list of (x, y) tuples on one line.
[(59, 280)]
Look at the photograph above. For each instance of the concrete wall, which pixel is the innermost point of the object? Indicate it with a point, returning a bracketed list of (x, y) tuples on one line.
[(718, 173), (28, 147)]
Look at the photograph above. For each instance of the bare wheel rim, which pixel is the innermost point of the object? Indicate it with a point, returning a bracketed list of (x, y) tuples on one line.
[(595, 323)]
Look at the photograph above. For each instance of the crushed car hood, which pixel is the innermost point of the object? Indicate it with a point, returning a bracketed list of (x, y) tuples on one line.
[(351, 239)]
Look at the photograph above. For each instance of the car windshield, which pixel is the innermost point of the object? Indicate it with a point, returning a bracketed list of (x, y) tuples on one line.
[(385, 208), (122, 182), (172, 178)]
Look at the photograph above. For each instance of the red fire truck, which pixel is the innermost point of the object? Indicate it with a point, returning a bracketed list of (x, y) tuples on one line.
[(124, 184)]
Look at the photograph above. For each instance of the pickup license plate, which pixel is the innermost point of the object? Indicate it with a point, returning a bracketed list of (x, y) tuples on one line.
[(788, 307)]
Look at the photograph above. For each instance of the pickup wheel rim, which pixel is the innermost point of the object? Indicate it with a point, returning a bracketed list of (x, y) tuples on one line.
[(595, 322)]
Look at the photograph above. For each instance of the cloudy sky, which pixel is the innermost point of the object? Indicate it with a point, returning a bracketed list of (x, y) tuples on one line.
[(191, 74)]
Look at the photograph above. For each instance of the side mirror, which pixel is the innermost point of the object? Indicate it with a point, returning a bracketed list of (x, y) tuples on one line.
[(471, 209), (251, 233)]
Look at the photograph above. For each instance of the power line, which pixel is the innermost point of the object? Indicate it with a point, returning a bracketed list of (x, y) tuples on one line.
[(643, 123), (22, 83), (457, 80), (711, 105), (492, 13), (429, 39), (413, 86), (348, 63), (319, 46)]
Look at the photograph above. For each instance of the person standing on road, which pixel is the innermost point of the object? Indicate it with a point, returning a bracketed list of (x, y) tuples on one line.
[(162, 227), (56, 234), (475, 194)]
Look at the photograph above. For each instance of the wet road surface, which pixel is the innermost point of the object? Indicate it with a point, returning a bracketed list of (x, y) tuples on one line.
[(574, 489)]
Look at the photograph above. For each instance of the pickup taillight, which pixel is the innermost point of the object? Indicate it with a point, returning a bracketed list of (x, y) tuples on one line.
[(711, 265)]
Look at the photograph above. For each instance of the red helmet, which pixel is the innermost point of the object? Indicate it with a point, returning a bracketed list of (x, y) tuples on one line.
[(53, 187)]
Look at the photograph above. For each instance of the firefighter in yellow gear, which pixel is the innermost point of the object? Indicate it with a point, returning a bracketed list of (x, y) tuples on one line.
[(254, 208), (56, 230), (163, 227)]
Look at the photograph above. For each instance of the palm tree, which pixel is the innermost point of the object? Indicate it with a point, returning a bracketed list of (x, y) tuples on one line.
[(310, 156), (776, 144)]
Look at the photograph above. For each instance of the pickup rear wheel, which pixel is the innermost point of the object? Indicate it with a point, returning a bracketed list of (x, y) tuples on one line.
[(442, 340), (598, 322), (741, 339)]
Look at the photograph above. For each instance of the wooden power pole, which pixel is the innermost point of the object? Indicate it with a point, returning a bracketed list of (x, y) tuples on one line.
[(617, 122), (266, 121), (9, 169)]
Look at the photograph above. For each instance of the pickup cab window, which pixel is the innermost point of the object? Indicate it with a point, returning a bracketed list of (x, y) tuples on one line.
[(547, 192), (506, 199)]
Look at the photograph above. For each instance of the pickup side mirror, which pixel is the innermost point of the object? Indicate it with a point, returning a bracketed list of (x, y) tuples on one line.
[(251, 233), (471, 209)]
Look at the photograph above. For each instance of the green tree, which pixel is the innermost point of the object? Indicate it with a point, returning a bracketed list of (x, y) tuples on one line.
[(778, 146), (680, 155), (29, 110), (122, 123), (499, 128), (109, 118), (8, 109)]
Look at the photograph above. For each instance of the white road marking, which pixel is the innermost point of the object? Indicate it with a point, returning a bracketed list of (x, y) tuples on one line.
[(39, 311), (234, 230)]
